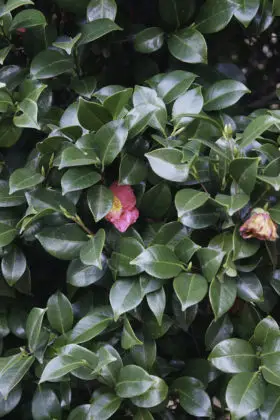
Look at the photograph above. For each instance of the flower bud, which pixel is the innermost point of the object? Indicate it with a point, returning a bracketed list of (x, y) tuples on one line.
[(260, 226)]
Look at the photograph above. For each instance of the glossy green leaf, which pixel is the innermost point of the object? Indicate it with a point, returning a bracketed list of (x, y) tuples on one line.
[(149, 40), (138, 118), (63, 242), (59, 312), (7, 234), (188, 199), (45, 404), (12, 370), (270, 360), (256, 128), (157, 301), (159, 261), (222, 295), (187, 106), (156, 201), (188, 45), (249, 287), (67, 43), (218, 331), (8, 404), (43, 199), (190, 289), (146, 96), (12, 5), (243, 248), (28, 19), (132, 170), (97, 29), (91, 115), (100, 201), (154, 396), (91, 252), (233, 203), (185, 249), (13, 265), (244, 172), (34, 326), (76, 179), (214, 15), (109, 141), (271, 405), (233, 356), (9, 133), (28, 112), (133, 381), (81, 275), (245, 393), (72, 156), (125, 295), (129, 338), (246, 11), (167, 163), (94, 323), (223, 94), (79, 413), (143, 414), (104, 405), (60, 366), (101, 9), (193, 398), (175, 12), (50, 63), (24, 178), (174, 84), (266, 327), (210, 262), (84, 86)]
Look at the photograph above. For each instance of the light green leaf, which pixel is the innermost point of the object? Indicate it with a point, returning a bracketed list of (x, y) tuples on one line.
[(256, 128), (104, 405), (45, 404), (188, 199), (190, 103), (233, 203), (154, 396), (12, 5), (245, 393), (24, 178), (174, 84), (210, 262), (129, 338), (246, 11), (58, 367), (91, 252), (12, 370), (81, 275), (13, 265), (67, 43)]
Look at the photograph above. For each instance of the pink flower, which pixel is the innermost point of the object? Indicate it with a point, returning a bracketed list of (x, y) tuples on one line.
[(21, 30), (123, 213)]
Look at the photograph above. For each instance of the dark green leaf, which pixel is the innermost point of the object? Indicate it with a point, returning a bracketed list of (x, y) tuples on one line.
[(159, 261), (7, 234), (28, 19), (81, 275), (210, 262), (59, 312), (233, 356), (100, 201), (132, 170), (154, 396), (246, 11), (174, 84), (8, 404), (188, 45), (190, 289), (45, 405), (157, 301), (91, 252), (13, 265), (125, 295), (12, 370), (129, 338), (92, 115), (133, 381), (96, 29), (244, 172), (34, 326), (72, 156), (256, 128), (222, 295), (101, 9), (167, 163), (63, 242), (214, 15), (24, 178), (249, 287), (223, 94), (76, 179)]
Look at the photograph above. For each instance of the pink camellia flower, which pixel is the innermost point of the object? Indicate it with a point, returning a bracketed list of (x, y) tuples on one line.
[(123, 213), (21, 30), (260, 226)]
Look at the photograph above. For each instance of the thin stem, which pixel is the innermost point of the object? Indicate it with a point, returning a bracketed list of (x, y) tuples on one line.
[(79, 222)]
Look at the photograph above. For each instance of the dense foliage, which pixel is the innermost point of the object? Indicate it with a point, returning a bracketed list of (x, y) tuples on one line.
[(139, 207)]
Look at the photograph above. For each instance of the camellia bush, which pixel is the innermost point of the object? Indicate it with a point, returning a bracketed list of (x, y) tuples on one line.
[(139, 209)]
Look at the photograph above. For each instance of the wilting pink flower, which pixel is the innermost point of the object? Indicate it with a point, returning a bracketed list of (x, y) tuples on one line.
[(123, 213), (260, 226)]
